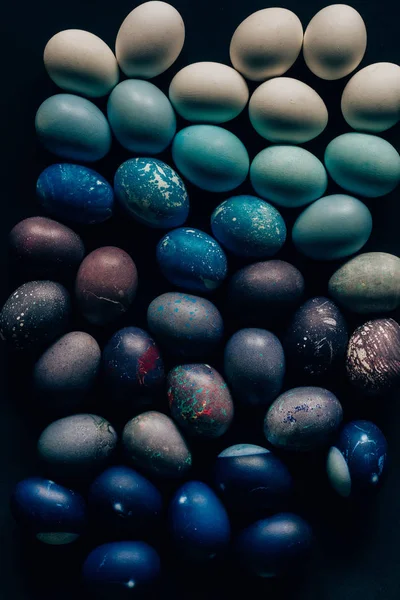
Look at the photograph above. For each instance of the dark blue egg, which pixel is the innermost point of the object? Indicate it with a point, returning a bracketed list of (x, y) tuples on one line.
[(51, 512), (198, 522), (358, 459)]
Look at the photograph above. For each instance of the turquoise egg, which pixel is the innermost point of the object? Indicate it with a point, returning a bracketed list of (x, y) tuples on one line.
[(332, 227), (363, 164), (73, 128), (248, 226), (211, 157), (141, 117), (288, 176)]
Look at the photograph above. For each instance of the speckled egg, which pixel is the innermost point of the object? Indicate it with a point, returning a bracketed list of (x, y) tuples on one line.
[(192, 259), (248, 226), (152, 193)]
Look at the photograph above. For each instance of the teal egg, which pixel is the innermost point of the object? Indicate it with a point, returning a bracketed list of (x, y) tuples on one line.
[(332, 227), (363, 164), (211, 157), (249, 226), (288, 176)]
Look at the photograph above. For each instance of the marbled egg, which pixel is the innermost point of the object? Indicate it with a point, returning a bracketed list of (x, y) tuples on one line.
[(254, 365), (248, 226), (75, 193), (152, 193), (210, 157), (192, 259)]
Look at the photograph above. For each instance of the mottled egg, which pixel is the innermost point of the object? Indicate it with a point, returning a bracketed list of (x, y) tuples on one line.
[(152, 193), (105, 285), (153, 443), (248, 226)]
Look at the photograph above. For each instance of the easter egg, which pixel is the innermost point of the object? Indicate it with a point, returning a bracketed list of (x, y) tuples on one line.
[(248, 226), (73, 128), (199, 400), (53, 513), (75, 193), (192, 259), (210, 157), (152, 193), (254, 365), (363, 164)]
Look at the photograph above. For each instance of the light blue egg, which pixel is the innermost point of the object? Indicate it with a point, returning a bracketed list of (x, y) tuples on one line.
[(141, 117), (363, 164), (73, 128), (211, 157)]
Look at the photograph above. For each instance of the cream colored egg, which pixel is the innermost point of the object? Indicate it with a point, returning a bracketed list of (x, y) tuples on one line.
[(150, 40), (286, 110), (335, 41), (371, 99), (266, 44), (81, 62)]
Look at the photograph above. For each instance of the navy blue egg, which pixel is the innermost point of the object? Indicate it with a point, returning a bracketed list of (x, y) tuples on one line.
[(358, 459), (198, 522), (51, 512), (75, 193)]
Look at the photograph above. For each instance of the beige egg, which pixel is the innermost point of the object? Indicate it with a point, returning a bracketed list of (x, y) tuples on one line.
[(150, 40), (335, 41), (286, 110), (78, 61), (266, 44), (371, 99)]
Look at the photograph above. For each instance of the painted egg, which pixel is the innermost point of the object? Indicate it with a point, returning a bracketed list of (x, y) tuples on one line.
[(141, 117), (75, 193), (288, 176), (105, 285), (358, 459), (153, 443), (303, 419), (185, 325), (73, 128), (332, 227), (152, 193), (192, 259), (210, 157), (34, 315), (199, 400), (248, 226), (51, 512), (254, 365), (198, 522), (368, 283), (363, 164), (373, 357)]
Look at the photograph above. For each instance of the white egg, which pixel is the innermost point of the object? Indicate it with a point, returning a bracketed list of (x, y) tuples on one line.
[(81, 62), (267, 43), (150, 39)]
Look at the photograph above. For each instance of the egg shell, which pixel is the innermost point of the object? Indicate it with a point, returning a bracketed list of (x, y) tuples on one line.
[(150, 40), (266, 44), (80, 62), (368, 283), (210, 157), (332, 227), (254, 366), (249, 227), (75, 193), (192, 259), (105, 285), (153, 443), (141, 117), (151, 192), (363, 164), (303, 419)]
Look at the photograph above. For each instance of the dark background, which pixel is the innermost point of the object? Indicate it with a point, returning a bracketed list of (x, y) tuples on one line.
[(357, 554)]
